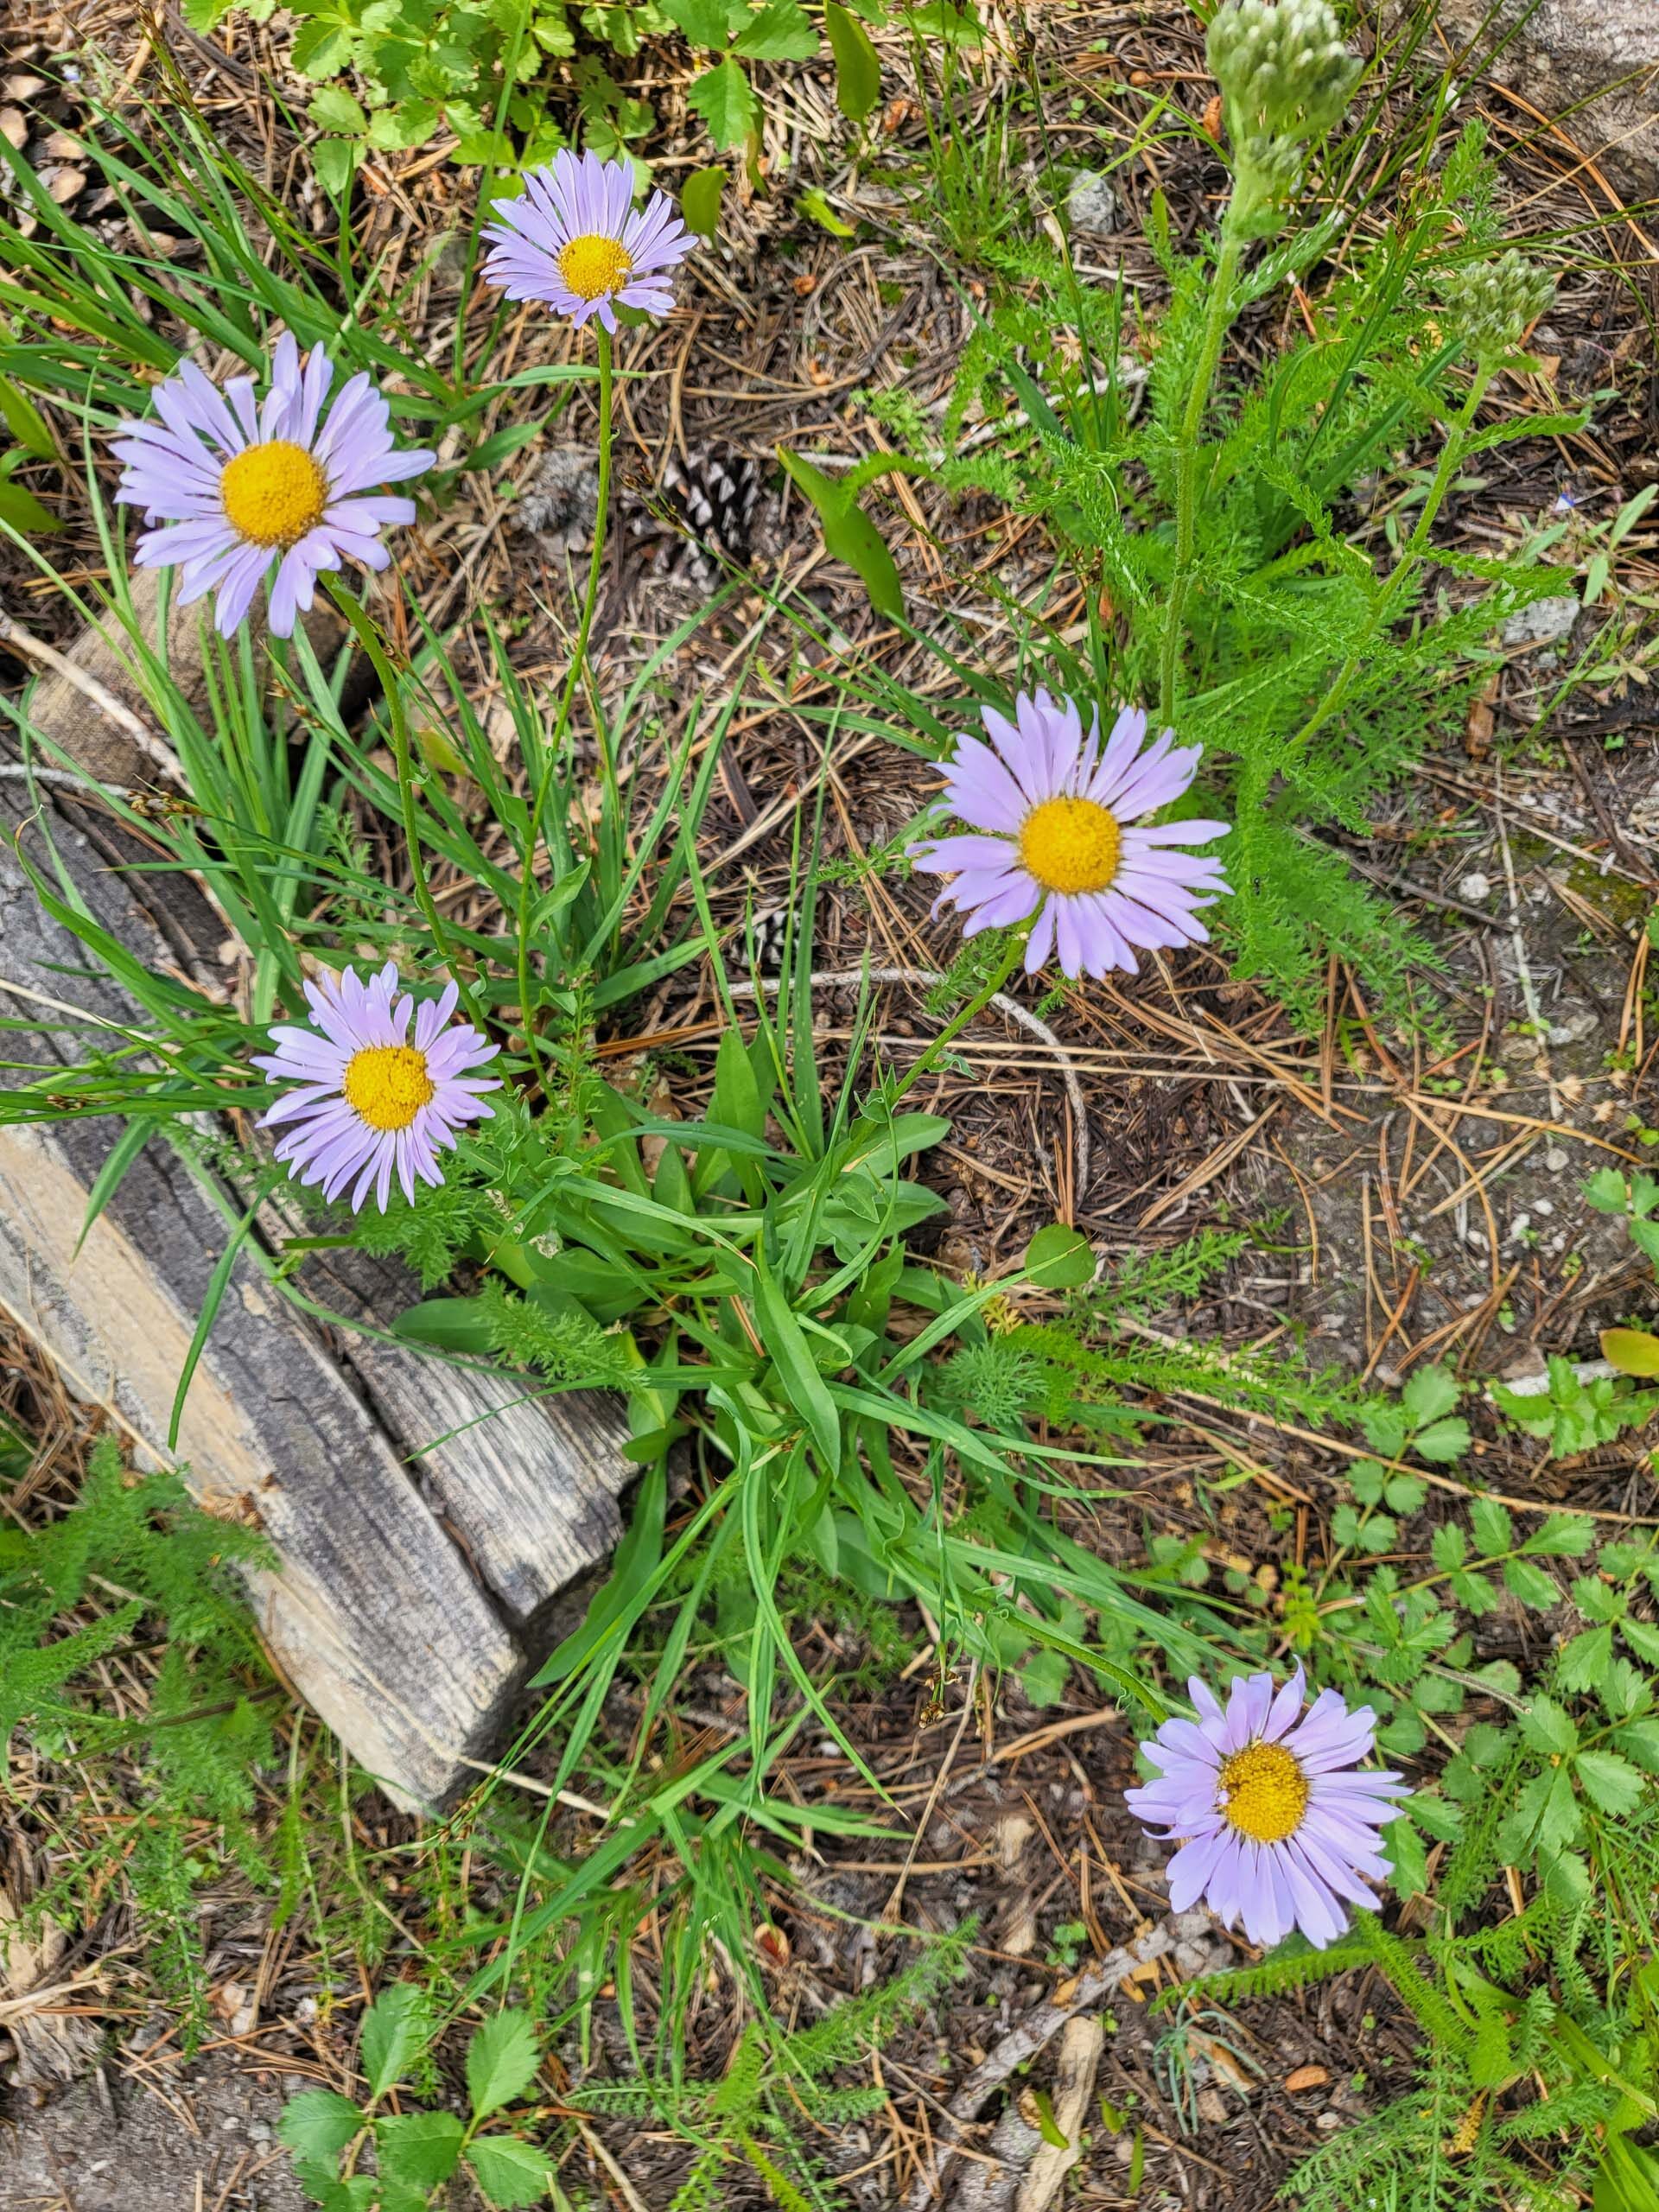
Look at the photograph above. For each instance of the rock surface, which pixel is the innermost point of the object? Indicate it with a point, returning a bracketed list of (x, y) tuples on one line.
[(1560, 53)]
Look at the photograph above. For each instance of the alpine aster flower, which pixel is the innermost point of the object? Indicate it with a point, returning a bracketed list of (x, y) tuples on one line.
[(575, 241), (241, 485), (371, 1096), (1056, 812), (1277, 1820)]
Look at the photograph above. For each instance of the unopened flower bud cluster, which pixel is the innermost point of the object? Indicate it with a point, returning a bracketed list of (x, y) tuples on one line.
[(1490, 306), (1283, 69), (1286, 77)]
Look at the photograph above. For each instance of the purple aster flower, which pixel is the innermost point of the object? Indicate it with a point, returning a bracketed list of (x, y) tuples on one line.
[(241, 485), (371, 1096), (1055, 810), (576, 242), (1277, 1821)]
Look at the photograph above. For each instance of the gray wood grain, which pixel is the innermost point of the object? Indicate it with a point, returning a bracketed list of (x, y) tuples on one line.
[(69, 715), (529, 1482), (377, 1617)]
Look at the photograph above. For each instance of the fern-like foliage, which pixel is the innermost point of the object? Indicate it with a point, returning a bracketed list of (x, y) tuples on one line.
[(752, 2116), (1318, 662), (195, 1749)]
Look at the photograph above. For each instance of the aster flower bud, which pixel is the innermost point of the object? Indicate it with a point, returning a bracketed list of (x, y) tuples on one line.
[(1490, 304), (1283, 69)]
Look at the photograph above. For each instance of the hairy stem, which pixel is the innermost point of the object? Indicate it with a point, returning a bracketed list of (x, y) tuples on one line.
[(1216, 325), (555, 738), (958, 1023), (1450, 455)]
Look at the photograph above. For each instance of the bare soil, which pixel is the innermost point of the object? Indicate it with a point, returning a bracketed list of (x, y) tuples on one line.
[(133, 2134), (1421, 1192)]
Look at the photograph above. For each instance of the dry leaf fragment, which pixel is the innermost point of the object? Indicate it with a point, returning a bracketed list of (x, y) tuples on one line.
[(62, 184)]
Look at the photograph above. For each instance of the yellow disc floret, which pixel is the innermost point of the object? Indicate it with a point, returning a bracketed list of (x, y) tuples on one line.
[(273, 494), (1263, 1793), (388, 1085), (1071, 845), (593, 266)]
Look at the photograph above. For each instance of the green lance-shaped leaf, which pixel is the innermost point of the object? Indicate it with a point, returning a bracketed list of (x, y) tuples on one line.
[(858, 73), (700, 200), (848, 534)]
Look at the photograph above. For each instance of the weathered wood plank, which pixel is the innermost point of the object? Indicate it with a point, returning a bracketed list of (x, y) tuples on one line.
[(528, 1484), (373, 1613), (68, 711)]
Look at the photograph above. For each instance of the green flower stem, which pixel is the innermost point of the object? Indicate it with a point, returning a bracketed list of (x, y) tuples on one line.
[(363, 627), (958, 1023), (1451, 457), (1215, 326), (573, 678)]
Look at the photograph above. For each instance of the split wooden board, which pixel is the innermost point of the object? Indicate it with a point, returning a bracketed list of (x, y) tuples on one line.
[(423, 1515)]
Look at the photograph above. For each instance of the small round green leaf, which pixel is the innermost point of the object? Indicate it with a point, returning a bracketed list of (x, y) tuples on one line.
[(1058, 1258), (1632, 1351), (700, 200)]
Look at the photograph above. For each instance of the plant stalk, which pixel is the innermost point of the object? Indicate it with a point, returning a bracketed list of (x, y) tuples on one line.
[(958, 1023), (1217, 323), (573, 678), (362, 625), (1451, 456)]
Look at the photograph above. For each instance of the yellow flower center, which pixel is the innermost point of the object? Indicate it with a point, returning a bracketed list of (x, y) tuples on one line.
[(1263, 1793), (273, 494), (1071, 844), (388, 1085), (593, 266)]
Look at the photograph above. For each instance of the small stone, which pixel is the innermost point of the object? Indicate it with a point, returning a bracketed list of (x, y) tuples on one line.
[(1519, 1227), (1328, 2122), (1018, 1933), (62, 183), (1013, 1830), (1543, 1205), (450, 257), (1555, 1159), (1545, 622), (1091, 204), (1475, 886)]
